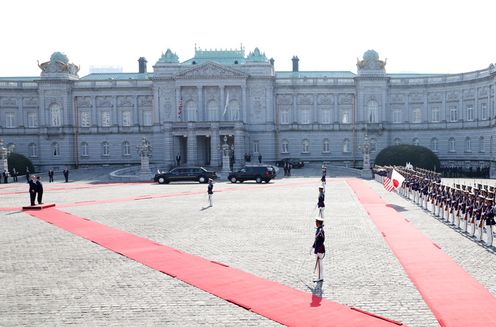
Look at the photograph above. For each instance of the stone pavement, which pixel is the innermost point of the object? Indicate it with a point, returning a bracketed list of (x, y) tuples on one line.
[(50, 277)]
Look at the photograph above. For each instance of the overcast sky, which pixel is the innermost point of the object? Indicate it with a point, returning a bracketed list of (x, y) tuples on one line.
[(422, 36)]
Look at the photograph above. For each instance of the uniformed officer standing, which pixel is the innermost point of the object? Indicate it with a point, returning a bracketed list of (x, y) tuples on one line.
[(490, 222), (210, 191), (320, 203), (319, 249)]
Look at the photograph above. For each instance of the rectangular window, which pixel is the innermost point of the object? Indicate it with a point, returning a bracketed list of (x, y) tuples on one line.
[(284, 117), (305, 116), (397, 116), (453, 112), (417, 116), (32, 120), (470, 112), (435, 115), (147, 118), (483, 111), (85, 119), (105, 119), (10, 121), (345, 117), (256, 147), (326, 116), (126, 118)]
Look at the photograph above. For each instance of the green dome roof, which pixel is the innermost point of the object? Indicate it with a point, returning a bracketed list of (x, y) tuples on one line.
[(59, 56), (370, 55)]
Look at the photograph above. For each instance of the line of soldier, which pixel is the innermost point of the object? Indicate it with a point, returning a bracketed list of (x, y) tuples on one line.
[(470, 208)]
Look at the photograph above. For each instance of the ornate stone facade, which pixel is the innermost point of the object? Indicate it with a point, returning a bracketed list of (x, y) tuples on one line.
[(60, 119)]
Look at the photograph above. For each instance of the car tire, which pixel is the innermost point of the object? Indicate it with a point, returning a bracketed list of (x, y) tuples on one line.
[(259, 180), (233, 180), (202, 179), (161, 180)]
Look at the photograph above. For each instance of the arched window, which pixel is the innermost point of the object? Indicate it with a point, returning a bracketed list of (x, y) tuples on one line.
[(285, 146), (327, 146), (434, 145), (212, 109), (346, 146), (84, 149), (234, 112), (305, 146), (416, 141), (191, 110), (468, 144), (55, 149), (105, 149), (451, 145), (373, 111), (33, 150), (55, 115), (126, 148), (397, 141), (482, 146)]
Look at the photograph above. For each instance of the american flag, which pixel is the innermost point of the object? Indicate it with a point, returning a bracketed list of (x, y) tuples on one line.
[(180, 109), (387, 184)]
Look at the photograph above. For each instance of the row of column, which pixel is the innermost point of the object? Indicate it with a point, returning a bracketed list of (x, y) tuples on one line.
[(202, 110)]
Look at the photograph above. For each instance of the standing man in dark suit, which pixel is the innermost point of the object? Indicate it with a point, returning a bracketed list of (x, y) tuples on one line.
[(50, 175), (28, 173), (260, 158), (32, 190), (66, 175), (178, 159), (14, 174), (39, 189)]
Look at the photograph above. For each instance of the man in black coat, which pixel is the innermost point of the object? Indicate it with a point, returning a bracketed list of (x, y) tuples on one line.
[(66, 175), (32, 190), (39, 189)]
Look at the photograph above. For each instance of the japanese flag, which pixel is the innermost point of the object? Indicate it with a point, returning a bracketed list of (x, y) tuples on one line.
[(396, 179)]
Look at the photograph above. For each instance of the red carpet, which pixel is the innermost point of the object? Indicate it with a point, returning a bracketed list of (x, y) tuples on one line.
[(275, 301), (455, 298)]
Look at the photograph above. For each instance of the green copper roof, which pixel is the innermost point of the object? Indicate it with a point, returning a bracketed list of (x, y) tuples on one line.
[(257, 56), (331, 74), (116, 76), (227, 57), (169, 57)]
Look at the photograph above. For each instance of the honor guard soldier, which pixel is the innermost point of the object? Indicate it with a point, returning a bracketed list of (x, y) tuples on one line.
[(320, 202), (210, 191), (319, 249), (490, 221)]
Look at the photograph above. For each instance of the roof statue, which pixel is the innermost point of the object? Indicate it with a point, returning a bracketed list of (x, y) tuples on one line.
[(371, 63), (58, 64), (169, 57), (256, 55)]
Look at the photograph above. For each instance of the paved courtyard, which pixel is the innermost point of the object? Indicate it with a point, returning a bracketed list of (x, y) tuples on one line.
[(49, 277)]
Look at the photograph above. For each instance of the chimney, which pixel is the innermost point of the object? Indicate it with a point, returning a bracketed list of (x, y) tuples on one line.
[(142, 64), (295, 64)]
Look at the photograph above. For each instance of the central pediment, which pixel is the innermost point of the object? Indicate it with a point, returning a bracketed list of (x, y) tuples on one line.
[(211, 70)]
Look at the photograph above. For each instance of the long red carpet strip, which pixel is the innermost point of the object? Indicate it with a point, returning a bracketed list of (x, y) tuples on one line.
[(455, 298), (275, 301)]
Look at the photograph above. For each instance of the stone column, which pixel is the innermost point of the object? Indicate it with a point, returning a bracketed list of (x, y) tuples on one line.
[(115, 118), (239, 145), (222, 103), (169, 157), (214, 145), (94, 117), (192, 158), (137, 120), (178, 99), (200, 113), (244, 107)]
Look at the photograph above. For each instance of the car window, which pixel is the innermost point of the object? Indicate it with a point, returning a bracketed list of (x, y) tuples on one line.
[(243, 170)]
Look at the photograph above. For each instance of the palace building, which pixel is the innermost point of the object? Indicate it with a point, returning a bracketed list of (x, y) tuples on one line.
[(193, 107)]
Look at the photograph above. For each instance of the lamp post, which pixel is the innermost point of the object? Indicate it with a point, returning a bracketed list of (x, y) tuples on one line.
[(365, 147), (4, 152)]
